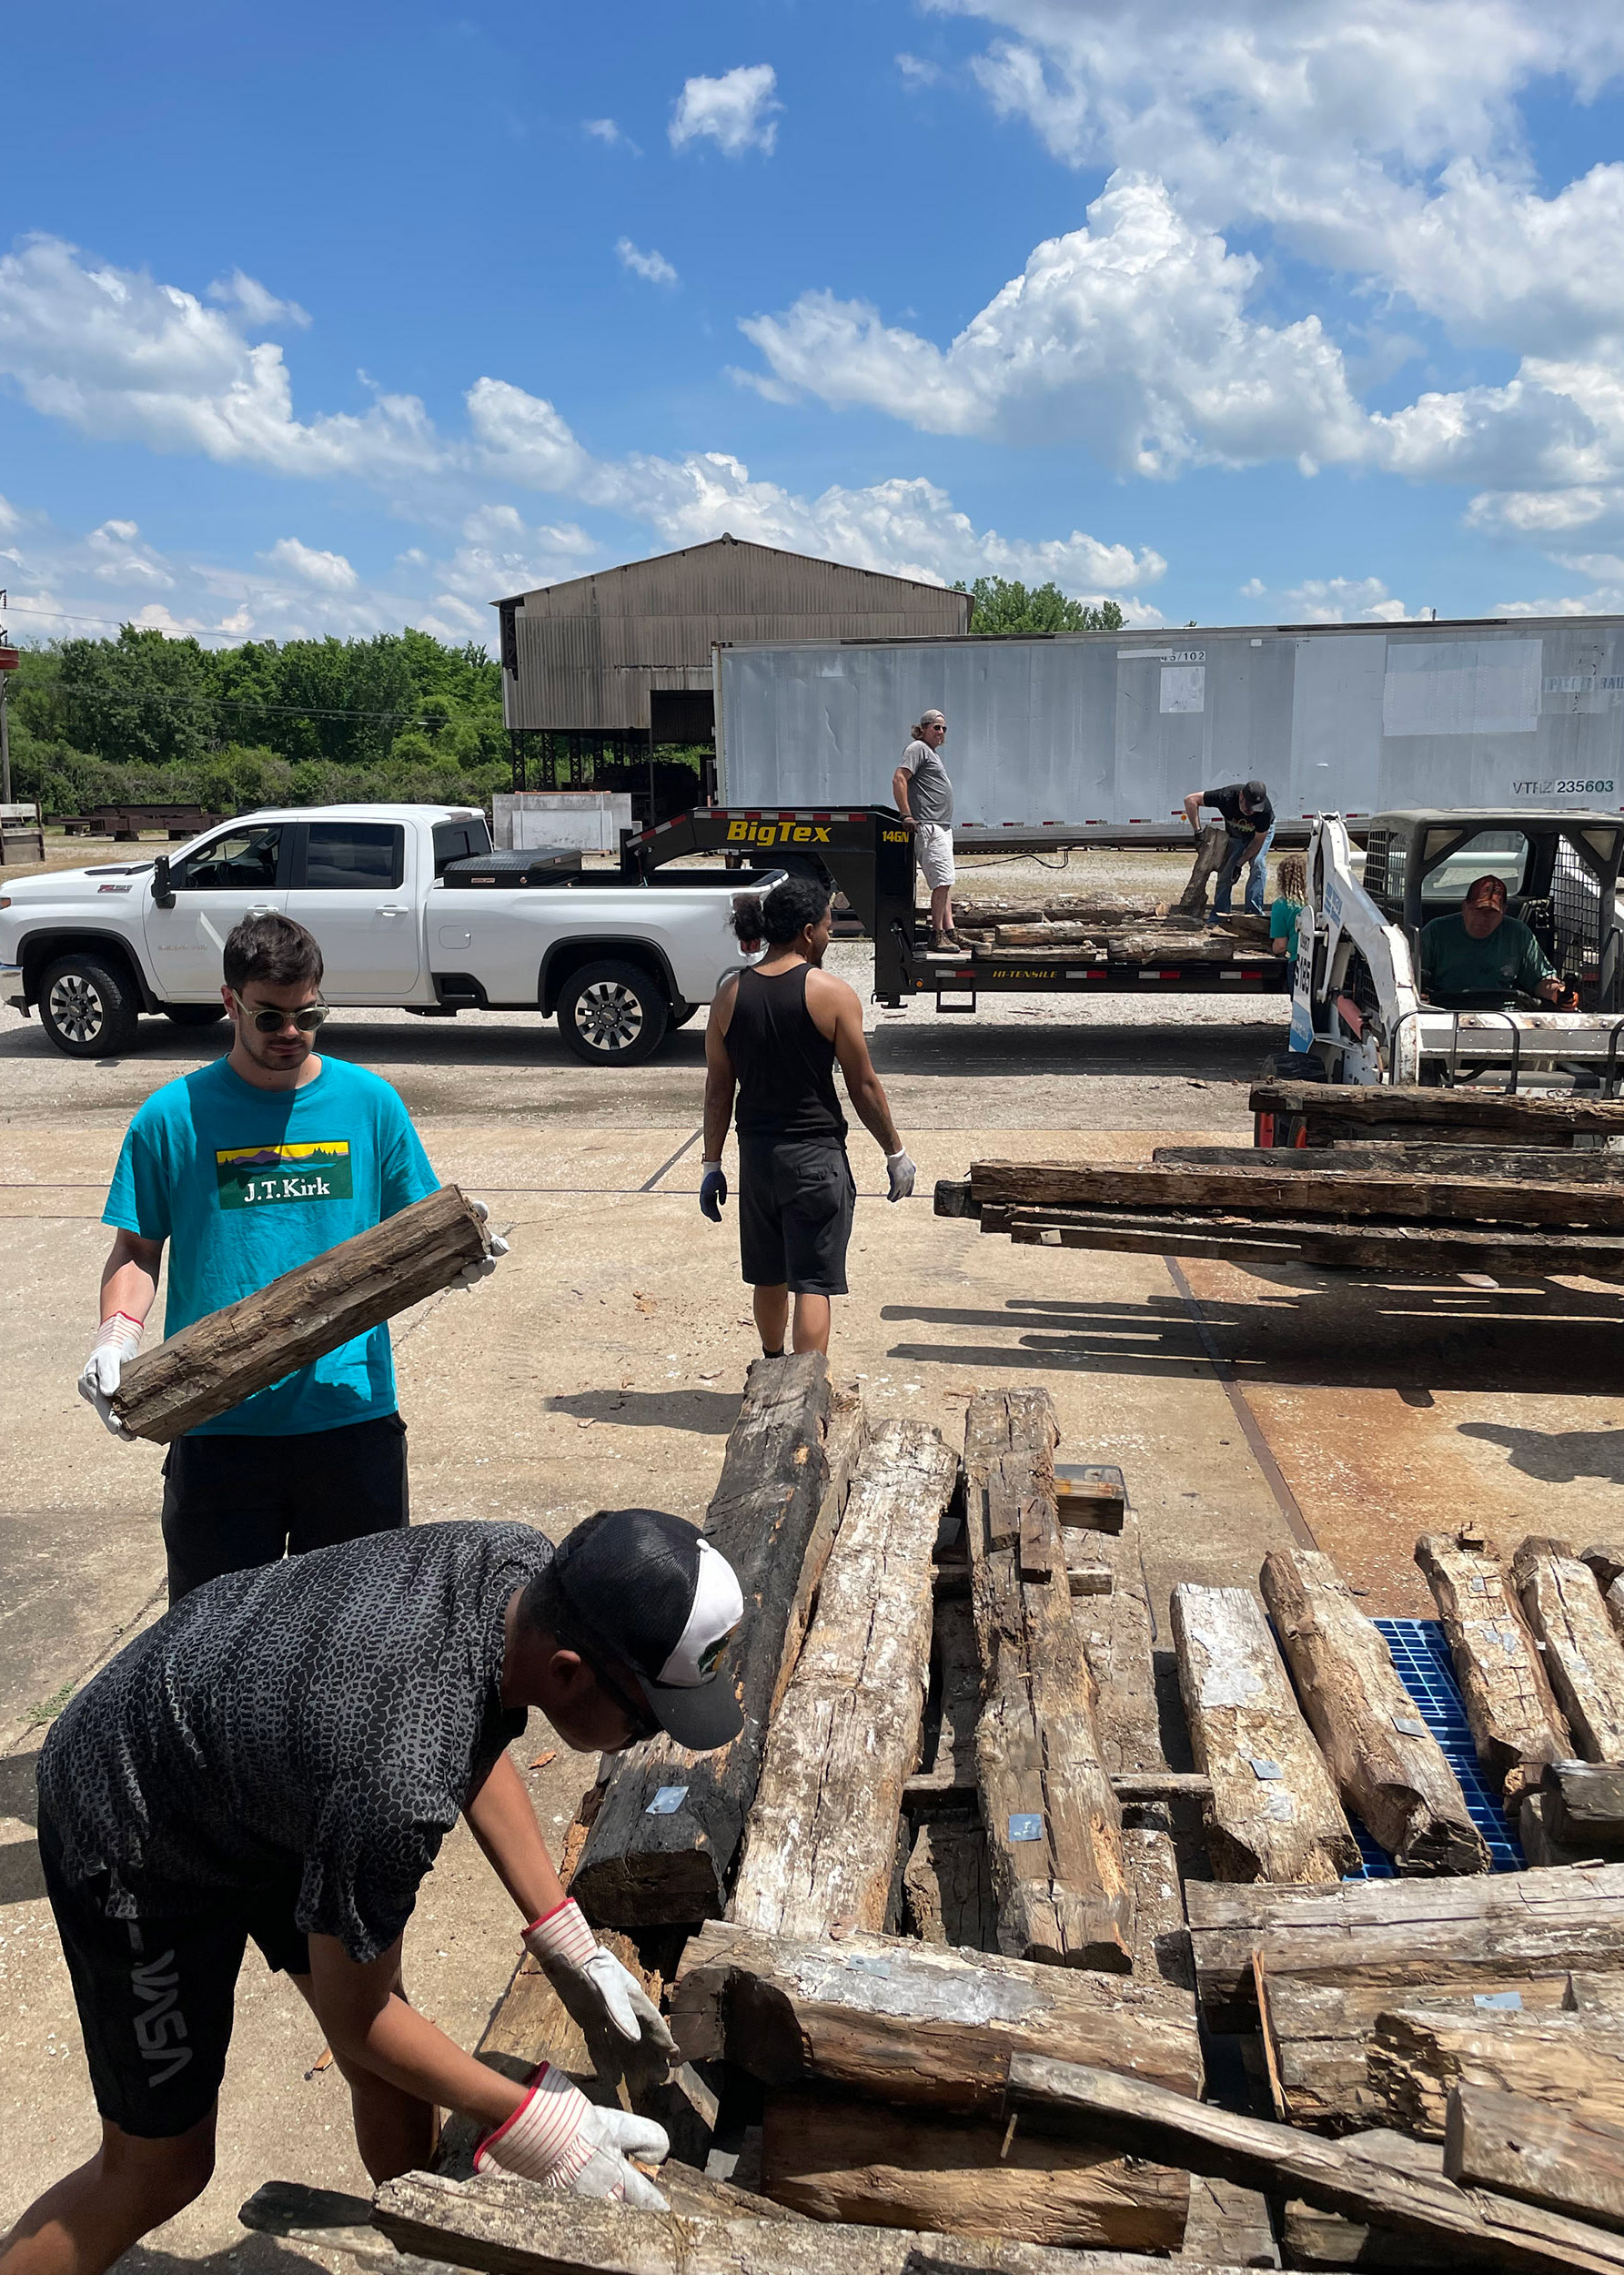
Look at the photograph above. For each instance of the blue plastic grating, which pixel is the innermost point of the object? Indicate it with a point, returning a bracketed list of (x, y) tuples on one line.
[(1421, 1654)]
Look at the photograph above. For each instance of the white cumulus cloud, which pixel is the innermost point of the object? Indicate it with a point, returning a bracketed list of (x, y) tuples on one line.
[(258, 305), (118, 355), (607, 131), (651, 267), (1324, 600), (735, 111), (329, 572), (1131, 335)]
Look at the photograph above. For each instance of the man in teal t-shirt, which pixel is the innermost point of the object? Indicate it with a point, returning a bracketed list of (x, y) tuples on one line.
[(246, 1170)]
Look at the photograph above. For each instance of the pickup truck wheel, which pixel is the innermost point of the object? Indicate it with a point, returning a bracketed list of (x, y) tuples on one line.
[(613, 1014), (87, 1008), (193, 1014)]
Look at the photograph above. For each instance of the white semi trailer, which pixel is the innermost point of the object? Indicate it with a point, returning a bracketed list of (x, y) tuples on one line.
[(1095, 737)]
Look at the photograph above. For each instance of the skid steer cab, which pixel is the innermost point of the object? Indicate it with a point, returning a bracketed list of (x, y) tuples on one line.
[(1363, 1009)]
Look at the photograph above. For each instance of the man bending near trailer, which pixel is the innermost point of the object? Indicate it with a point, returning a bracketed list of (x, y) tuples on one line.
[(1249, 821), (1480, 959), (775, 1035), (248, 1168), (281, 1757)]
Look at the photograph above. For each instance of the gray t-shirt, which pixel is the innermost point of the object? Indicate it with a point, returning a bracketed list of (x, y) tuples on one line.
[(930, 796)]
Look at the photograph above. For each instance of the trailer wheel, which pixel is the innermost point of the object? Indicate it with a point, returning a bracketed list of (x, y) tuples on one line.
[(613, 1015), (87, 1008)]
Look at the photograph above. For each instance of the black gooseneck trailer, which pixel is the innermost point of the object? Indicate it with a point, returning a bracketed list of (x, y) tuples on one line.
[(866, 853)]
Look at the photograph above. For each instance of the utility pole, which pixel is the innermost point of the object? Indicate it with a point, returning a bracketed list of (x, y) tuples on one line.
[(9, 660)]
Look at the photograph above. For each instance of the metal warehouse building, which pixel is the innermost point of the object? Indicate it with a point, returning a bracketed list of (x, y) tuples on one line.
[(610, 666)]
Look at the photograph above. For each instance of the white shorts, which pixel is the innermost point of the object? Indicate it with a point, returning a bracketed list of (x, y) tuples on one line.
[(932, 847)]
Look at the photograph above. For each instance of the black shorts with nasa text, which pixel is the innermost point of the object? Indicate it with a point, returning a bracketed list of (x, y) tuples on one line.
[(156, 1995)]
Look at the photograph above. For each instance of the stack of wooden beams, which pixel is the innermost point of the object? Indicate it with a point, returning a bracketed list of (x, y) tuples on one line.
[(1370, 1208), (1315, 1114), (913, 1863), (934, 1957)]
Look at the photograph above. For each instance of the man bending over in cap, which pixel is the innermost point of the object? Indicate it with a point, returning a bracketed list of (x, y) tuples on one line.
[(281, 1757)]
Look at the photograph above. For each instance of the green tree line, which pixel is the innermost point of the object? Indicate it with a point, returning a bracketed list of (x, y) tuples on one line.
[(147, 717), (1003, 605)]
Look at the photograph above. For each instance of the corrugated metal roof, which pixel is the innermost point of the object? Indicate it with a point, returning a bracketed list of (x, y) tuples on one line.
[(585, 655)]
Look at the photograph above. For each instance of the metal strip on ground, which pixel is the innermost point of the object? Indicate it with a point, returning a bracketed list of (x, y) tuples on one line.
[(1285, 1499)]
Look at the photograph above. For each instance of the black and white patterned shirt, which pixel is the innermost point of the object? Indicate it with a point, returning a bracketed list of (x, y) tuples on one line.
[(314, 1727)]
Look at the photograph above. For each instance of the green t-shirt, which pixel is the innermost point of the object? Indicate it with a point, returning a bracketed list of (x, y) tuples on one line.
[(1283, 925), (1467, 975)]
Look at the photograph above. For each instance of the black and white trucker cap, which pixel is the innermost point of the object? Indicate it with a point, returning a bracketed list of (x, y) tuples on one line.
[(644, 1586)]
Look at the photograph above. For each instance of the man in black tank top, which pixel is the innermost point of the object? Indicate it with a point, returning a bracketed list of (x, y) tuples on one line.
[(775, 1033)]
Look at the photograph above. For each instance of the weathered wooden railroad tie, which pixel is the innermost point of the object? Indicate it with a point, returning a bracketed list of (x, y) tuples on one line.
[(936, 1935)]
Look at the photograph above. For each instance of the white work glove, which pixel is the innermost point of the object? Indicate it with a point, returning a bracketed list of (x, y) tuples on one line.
[(556, 2136), (902, 1172), (593, 1985), (472, 1274), (117, 1338)]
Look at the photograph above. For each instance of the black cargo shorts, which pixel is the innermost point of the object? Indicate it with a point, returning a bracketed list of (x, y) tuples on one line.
[(796, 1200)]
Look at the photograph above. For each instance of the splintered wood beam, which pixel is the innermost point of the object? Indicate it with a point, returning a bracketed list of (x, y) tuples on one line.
[(1516, 1726), (1583, 1655), (1275, 1814), (1210, 846), (1584, 1801), (1389, 1768), (1540, 2155), (838, 2159), (1483, 2229), (1416, 2059), (947, 1887), (1054, 1827), (1540, 1165), (1505, 1251), (891, 2019), (1429, 1111), (1481, 1934), (1329, 1190), (500, 2225), (663, 1844), (819, 1846), (228, 1355)]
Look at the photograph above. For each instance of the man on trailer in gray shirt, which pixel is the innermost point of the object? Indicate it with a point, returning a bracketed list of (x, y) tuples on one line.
[(923, 795)]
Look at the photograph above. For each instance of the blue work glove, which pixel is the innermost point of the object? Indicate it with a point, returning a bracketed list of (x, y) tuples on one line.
[(713, 1190)]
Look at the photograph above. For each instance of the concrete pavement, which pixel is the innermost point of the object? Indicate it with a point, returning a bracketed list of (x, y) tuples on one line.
[(602, 1364)]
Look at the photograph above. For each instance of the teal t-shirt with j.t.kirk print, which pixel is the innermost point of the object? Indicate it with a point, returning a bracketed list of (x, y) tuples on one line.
[(246, 1184)]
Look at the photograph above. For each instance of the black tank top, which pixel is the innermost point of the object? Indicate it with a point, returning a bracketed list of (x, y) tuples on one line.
[(785, 1067)]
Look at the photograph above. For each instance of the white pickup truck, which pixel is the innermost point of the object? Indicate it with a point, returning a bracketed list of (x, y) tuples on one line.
[(411, 908)]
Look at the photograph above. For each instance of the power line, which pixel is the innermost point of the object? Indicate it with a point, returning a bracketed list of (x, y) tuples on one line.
[(70, 616)]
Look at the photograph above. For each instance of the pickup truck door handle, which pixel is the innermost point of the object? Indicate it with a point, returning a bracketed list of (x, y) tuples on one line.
[(393, 908)]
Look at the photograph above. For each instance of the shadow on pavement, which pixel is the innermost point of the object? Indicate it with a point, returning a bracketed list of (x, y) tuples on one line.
[(712, 1413), (1336, 1331), (1556, 1457)]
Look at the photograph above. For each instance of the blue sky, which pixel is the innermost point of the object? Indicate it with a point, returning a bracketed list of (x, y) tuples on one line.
[(1271, 309)]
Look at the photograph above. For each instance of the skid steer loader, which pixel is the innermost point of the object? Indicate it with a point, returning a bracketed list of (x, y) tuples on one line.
[(1357, 1014)]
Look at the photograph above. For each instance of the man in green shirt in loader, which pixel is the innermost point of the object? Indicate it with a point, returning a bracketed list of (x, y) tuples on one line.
[(1480, 959)]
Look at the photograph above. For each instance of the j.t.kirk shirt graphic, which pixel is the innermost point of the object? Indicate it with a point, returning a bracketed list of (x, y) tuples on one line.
[(250, 1176), (247, 1183)]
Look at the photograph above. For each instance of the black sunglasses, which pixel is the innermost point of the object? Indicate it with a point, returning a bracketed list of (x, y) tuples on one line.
[(269, 1022)]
